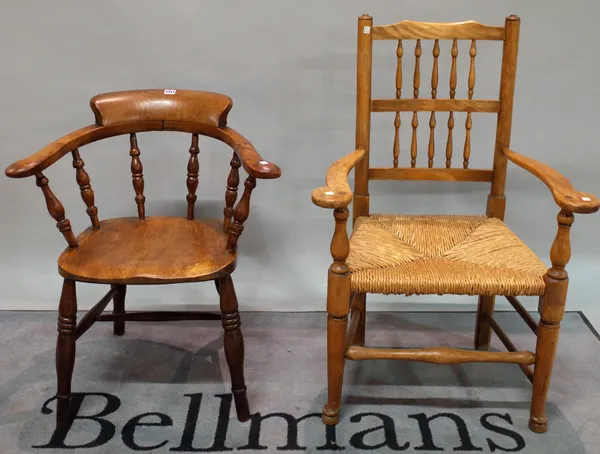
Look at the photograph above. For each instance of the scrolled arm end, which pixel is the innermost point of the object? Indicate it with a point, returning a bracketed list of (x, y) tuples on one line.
[(337, 192), (251, 160), (327, 197)]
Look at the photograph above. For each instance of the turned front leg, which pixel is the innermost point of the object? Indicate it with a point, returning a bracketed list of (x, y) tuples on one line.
[(551, 308), (234, 345), (338, 306), (65, 352)]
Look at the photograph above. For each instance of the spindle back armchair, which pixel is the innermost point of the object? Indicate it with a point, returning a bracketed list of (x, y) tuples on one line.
[(463, 255), (149, 249)]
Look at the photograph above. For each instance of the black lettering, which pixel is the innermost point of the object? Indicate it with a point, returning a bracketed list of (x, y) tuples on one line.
[(107, 429), (520, 442), (292, 431), (128, 431), (389, 434), (187, 438), (330, 440), (427, 436)]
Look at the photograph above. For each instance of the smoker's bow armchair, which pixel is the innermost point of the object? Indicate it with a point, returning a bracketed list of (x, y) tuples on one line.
[(150, 249)]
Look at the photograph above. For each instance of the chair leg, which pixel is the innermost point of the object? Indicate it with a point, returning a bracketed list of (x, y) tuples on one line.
[(65, 352), (360, 304), (119, 308), (483, 330), (545, 351), (338, 305), (234, 345)]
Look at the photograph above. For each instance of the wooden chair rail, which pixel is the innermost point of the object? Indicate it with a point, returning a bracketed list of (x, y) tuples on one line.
[(92, 315), (251, 160), (431, 30), (158, 316), (440, 355), (435, 105), (509, 345), (524, 313), (563, 192), (95, 315), (159, 104), (431, 174)]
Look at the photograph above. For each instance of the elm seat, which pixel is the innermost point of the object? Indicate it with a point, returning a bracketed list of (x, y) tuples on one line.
[(459, 255), (155, 250)]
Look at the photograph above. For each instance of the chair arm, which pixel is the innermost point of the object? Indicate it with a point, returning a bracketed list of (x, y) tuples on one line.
[(51, 153), (563, 192), (337, 192), (252, 162)]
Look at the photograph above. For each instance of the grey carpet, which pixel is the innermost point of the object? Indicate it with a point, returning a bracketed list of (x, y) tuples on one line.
[(176, 372)]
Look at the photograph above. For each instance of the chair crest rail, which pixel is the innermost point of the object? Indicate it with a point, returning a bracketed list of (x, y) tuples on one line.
[(431, 30)]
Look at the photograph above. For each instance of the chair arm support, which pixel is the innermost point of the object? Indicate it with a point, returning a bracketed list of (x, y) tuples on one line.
[(563, 192), (51, 153), (252, 162), (337, 192)]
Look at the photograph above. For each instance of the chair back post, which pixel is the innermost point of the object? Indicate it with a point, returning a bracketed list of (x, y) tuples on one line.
[(363, 115), (496, 200)]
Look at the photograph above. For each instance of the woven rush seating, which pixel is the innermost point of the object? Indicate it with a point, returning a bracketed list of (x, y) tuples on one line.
[(441, 254)]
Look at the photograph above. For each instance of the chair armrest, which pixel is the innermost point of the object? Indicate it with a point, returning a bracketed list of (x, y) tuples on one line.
[(51, 153), (337, 192), (252, 162), (563, 192)]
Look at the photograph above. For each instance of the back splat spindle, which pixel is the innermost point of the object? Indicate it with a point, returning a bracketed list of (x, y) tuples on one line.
[(415, 118), (468, 122), (434, 85), (192, 176), (137, 175), (454, 54), (399, 53)]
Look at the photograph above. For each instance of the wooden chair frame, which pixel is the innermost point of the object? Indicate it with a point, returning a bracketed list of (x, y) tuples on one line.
[(345, 342), (130, 112)]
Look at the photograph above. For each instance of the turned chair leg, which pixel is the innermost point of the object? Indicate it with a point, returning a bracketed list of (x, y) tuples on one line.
[(483, 330), (65, 352), (360, 304), (234, 345), (551, 311), (338, 305), (119, 308)]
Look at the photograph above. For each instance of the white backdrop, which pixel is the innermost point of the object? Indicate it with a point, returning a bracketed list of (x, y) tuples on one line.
[(290, 68)]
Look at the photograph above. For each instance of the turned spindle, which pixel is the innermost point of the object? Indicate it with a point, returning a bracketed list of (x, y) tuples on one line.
[(469, 122), (192, 177), (56, 210), (137, 175), (415, 118), (397, 121), (87, 194), (434, 85), (233, 181), (242, 210), (453, 80)]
